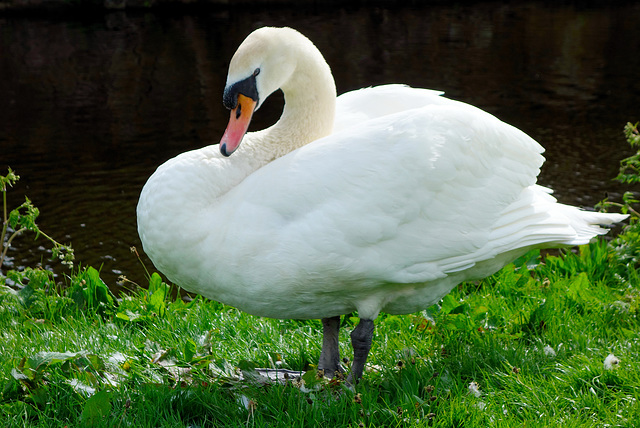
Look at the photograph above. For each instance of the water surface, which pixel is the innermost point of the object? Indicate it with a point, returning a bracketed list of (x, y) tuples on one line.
[(90, 107)]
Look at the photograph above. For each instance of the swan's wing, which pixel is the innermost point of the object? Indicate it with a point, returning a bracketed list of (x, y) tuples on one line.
[(407, 197), (355, 107)]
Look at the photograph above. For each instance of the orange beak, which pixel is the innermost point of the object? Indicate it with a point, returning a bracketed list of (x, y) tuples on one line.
[(238, 125)]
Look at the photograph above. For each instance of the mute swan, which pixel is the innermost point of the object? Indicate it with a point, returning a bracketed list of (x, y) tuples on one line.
[(382, 199)]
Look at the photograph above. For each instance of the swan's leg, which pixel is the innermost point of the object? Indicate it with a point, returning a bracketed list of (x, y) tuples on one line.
[(361, 338), (330, 354)]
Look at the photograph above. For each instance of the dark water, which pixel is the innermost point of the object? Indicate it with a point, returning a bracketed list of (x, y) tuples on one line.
[(90, 107)]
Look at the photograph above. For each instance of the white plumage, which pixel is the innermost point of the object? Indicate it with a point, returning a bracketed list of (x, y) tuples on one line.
[(408, 195)]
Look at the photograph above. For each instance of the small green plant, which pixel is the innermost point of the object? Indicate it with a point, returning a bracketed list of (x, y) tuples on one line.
[(630, 167), (23, 218), (145, 304), (627, 244), (629, 174)]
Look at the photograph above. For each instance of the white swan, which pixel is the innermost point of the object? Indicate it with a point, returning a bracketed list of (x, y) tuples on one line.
[(380, 200)]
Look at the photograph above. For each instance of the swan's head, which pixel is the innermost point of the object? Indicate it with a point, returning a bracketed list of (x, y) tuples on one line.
[(263, 63)]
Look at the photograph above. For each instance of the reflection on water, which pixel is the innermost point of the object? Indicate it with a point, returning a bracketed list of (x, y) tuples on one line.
[(91, 107)]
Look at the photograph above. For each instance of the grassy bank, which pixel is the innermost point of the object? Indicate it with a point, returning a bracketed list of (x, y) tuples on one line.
[(557, 342), (550, 340)]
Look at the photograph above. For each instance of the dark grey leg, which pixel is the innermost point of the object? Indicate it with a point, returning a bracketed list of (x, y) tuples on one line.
[(361, 338), (330, 354)]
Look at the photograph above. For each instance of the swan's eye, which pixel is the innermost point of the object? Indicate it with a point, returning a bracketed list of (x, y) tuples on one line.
[(256, 72)]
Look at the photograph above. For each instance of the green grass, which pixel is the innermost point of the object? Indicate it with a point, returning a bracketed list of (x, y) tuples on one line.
[(74, 356)]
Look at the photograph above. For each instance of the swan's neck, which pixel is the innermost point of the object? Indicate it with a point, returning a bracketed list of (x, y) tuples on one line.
[(309, 110)]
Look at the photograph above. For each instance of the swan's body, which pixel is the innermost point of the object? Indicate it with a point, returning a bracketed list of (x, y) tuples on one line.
[(411, 194)]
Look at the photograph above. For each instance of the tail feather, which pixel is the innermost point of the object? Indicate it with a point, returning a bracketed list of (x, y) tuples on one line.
[(537, 219)]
